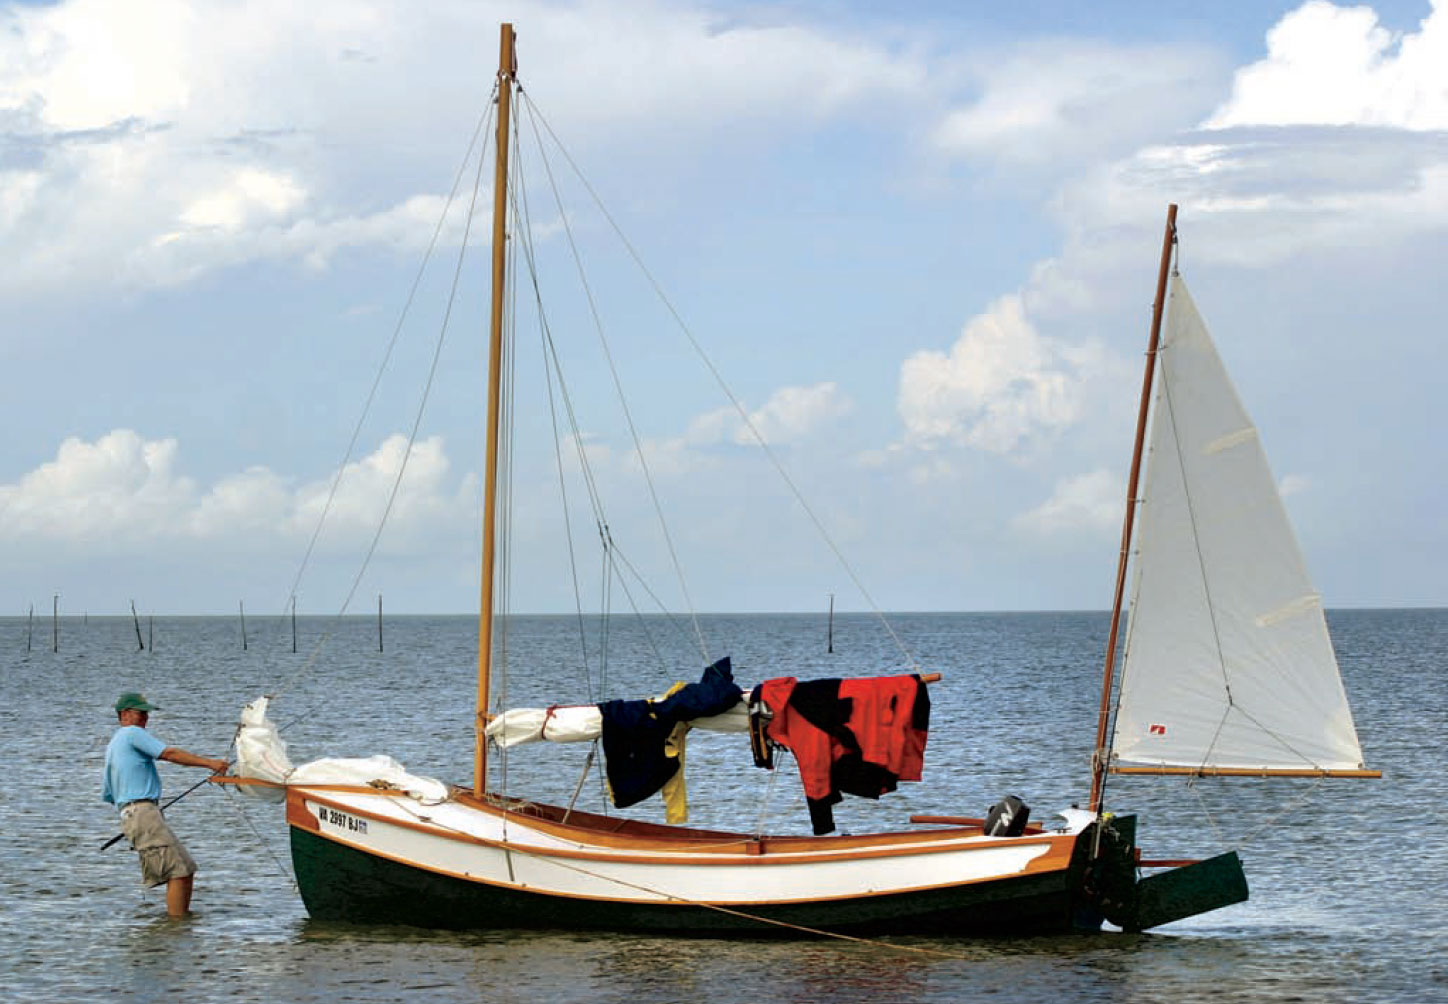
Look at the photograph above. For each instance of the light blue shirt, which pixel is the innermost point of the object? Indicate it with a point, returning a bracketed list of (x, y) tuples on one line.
[(131, 766)]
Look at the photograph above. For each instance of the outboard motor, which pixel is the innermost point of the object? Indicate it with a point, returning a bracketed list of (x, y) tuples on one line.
[(1007, 818)]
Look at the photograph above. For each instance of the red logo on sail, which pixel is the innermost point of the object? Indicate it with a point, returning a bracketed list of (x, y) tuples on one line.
[(1157, 730)]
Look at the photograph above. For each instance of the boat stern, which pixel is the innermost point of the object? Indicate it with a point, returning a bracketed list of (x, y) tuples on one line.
[(1114, 887)]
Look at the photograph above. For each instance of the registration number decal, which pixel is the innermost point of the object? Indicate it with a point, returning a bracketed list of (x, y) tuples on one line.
[(341, 820)]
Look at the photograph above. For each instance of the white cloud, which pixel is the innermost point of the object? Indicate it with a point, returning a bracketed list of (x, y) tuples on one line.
[(790, 414), (124, 491), (1090, 501), (176, 137), (1001, 384), (1068, 101), (1338, 139), (1337, 66), (249, 195), (119, 488)]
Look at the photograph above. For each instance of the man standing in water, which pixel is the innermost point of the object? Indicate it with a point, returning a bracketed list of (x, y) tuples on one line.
[(132, 784)]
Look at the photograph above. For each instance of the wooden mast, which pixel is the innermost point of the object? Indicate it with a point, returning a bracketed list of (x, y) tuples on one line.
[(507, 71), (1101, 756)]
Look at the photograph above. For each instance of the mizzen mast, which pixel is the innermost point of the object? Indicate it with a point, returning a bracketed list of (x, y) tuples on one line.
[(507, 73), (1101, 756)]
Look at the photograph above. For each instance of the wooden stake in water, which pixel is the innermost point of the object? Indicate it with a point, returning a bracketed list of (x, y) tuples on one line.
[(29, 627), (830, 636), (136, 620), (379, 622), (241, 605), (294, 623), (151, 632), (55, 623)]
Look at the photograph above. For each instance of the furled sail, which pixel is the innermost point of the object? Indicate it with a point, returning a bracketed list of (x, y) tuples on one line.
[(1228, 662)]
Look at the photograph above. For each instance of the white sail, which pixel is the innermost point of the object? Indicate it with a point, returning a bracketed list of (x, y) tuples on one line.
[(1228, 661)]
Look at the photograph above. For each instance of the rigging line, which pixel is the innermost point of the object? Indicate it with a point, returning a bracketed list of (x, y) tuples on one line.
[(480, 130), (555, 368), (605, 626), (764, 801), (546, 340), (605, 609), (1217, 834), (733, 399), (617, 381), (507, 446), (1307, 794), (702, 904), (1163, 359), (669, 617), (411, 439), (235, 801)]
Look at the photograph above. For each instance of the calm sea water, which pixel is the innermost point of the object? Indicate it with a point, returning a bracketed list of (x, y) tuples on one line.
[(1349, 878)]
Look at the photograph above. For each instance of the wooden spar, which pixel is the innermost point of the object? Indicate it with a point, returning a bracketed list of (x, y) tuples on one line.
[(55, 623), (507, 70), (1102, 756), (1248, 771), (379, 622), (241, 607), (30, 627)]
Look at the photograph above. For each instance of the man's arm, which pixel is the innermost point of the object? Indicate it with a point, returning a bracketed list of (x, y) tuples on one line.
[(175, 754)]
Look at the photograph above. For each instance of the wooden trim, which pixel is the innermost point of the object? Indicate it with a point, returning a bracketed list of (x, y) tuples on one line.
[(1055, 860), (969, 822), (361, 789), (1248, 772), (631, 834), (737, 852), (244, 781), (300, 816)]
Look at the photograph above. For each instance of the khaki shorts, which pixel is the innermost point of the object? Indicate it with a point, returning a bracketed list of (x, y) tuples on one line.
[(163, 856)]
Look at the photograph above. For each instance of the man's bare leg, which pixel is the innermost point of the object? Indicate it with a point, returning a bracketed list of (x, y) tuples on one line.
[(178, 896)]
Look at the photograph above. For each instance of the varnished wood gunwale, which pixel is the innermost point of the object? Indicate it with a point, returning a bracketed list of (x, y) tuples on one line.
[(1248, 772), (740, 850)]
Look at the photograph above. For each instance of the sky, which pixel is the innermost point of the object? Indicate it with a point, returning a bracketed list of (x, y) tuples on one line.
[(918, 241)]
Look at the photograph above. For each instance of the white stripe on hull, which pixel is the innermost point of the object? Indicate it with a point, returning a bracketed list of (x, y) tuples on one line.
[(464, 842)]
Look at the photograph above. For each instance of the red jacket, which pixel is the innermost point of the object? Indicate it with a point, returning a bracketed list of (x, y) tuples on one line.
[(852, 736)]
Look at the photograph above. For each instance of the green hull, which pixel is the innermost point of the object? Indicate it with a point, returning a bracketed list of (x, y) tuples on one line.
[(341, 883)]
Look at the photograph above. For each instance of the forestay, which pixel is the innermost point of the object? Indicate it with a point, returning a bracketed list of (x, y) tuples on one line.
[(1228, 661)]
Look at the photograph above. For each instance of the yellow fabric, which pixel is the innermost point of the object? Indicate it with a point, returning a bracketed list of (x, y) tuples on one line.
[(676, 795)]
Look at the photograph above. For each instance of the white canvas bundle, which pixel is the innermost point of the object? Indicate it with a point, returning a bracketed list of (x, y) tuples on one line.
[(577, 723), (570, 724), (260, 752), (1228, 660), (372, 771)]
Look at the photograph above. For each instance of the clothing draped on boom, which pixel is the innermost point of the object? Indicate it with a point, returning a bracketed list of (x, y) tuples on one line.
[(856, 737)]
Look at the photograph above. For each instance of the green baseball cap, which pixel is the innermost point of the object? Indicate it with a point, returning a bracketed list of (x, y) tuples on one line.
[(133, 701)]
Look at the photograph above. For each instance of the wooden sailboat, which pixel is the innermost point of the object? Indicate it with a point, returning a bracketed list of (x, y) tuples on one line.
[(474, 858)]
